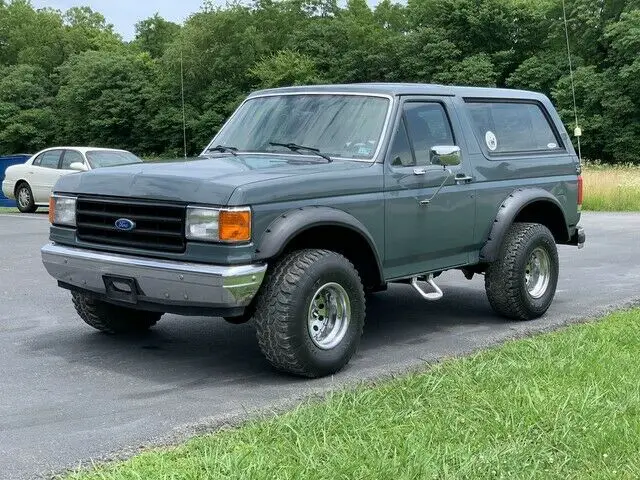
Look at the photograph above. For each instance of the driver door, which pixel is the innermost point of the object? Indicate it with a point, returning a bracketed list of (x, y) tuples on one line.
[(429, 209)]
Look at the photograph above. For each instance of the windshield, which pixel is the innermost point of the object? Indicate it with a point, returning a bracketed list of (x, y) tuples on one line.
[(110, 158), (339, 125)]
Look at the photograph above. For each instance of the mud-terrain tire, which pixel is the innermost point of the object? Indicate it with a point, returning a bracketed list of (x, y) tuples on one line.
[(309, 292), (522, 282), (112, 319), (24, 198)]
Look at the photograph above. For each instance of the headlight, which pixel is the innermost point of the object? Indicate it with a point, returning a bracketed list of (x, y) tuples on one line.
[(229, 225), (62, 210)]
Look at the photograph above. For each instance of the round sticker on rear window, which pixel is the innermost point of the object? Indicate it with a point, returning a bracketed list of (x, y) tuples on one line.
[(492, 141)]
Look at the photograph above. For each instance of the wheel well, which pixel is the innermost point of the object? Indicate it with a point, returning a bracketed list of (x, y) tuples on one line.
[(344, 241), (18, 183), (547, 214)]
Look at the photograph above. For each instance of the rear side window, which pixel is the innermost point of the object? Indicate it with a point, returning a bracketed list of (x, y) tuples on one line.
[(510, 127), (48, 159)]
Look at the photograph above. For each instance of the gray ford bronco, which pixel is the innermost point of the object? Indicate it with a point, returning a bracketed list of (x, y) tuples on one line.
[(309, 199)]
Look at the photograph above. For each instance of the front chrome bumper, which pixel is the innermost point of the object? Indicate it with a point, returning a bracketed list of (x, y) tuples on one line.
[(165, 285)]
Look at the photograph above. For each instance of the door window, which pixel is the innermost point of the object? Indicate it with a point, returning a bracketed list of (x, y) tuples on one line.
[(424, 126), (49, 159), (401, 154), (71, 156)]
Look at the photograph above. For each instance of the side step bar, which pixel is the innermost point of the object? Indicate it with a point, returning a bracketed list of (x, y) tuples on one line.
[(430, 297)]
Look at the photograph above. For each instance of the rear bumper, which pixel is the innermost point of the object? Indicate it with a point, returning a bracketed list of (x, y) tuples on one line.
[(152, 284), (578, 238), (7, 189)]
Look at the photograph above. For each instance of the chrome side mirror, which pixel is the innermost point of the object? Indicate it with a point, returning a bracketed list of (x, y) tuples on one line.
[(445, 155), (78, 166)]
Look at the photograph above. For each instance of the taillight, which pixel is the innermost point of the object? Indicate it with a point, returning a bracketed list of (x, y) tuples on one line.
[(580, 190)]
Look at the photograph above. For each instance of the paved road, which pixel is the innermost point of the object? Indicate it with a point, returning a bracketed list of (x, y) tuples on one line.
[(70, 394)]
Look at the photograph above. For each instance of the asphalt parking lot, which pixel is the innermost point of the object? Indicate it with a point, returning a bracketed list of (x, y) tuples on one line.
[(70, 394)]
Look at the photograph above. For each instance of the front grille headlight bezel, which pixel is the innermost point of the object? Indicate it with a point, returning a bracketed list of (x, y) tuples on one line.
[(218, 225), (63, 210)]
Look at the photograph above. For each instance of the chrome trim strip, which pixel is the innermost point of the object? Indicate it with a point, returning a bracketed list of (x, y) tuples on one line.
[(116, 258)]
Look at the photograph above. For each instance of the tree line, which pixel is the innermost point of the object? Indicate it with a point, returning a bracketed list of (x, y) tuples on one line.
[(68, 78)]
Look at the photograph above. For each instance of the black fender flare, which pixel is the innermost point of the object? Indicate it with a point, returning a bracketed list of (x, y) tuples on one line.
[(294, 222), (508, 211)]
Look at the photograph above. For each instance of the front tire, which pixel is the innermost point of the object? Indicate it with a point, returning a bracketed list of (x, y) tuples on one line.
[(24, 198), (310, 313), (522, 282), (112, 319)]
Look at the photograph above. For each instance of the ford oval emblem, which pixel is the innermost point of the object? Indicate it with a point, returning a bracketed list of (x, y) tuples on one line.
[(125, 225)]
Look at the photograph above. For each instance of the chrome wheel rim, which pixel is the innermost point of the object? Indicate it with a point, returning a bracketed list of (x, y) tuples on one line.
[(24, 197), (329, 316), (538, 273)]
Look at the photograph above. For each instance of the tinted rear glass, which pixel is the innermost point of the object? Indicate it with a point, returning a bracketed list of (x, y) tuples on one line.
[(512, 127), (49, 159)]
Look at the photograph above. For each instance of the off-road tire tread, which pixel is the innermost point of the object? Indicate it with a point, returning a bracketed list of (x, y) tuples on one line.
[(273, 309), (502, 280), (112, 319)]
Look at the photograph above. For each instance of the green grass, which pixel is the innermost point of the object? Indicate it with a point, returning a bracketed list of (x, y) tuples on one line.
[(564, 405), (8, 210), (611, 188)]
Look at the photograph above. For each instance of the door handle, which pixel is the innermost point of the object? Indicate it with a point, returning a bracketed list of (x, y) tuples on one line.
[(462, 178), (419, 171)]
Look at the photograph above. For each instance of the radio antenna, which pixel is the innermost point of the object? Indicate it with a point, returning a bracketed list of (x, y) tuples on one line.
[(184, 116), (578, 131)]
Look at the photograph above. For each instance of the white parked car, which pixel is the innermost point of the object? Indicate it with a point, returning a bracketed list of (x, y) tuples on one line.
[(30, 183)]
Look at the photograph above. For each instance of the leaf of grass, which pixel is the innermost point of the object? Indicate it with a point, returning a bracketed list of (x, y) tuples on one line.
[(564, 405), (611, 188)]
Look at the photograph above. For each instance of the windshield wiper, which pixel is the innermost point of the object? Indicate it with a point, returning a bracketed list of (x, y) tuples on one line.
[(296, 148), (224, 149)]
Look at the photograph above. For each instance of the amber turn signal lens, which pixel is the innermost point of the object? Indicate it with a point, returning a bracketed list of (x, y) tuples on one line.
[(52, 209), (234, 225)]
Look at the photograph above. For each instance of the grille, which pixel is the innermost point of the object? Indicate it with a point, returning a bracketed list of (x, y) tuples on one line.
[(158, 226)]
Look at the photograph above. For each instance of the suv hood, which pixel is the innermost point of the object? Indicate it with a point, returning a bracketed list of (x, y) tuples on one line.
[(202, 180)]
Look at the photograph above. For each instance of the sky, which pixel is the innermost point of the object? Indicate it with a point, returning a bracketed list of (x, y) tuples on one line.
[(124, 14)]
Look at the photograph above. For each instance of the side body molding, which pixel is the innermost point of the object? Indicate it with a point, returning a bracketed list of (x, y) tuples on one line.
[(288, 225), (507, 213)]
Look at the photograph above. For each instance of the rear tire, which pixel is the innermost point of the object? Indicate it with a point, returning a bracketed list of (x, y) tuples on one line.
[(24, 198), (310, 313), (522, 282), (110, 318)]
